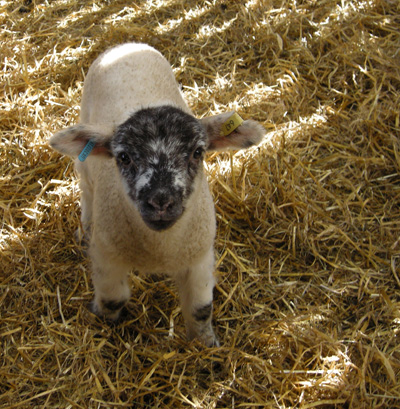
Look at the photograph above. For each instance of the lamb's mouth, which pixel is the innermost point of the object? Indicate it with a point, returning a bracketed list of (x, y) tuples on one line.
[(159, 225)]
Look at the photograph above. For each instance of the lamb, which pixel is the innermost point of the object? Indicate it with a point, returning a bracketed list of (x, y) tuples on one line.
[(145, 200)]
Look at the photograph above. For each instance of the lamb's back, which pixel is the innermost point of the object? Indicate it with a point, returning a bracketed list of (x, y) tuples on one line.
[(125, 79)]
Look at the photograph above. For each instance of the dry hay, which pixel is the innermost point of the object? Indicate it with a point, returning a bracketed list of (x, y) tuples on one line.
[(308, 246)]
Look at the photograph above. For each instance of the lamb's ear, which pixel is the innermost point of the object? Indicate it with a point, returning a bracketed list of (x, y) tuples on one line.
[(71, 141), (229, 131)]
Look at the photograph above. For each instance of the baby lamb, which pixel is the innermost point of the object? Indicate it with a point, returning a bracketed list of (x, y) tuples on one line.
[(145, 201)]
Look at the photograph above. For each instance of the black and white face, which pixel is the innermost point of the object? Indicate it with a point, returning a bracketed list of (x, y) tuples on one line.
[(159, 153)]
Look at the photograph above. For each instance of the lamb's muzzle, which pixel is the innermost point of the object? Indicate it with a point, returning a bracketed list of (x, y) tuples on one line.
[(161, 211)]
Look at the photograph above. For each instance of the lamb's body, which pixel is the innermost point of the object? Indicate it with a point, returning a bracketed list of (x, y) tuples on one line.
[(132, 76), (170, 228)]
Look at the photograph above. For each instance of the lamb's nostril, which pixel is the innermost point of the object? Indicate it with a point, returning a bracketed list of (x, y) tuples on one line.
[(151, 205)]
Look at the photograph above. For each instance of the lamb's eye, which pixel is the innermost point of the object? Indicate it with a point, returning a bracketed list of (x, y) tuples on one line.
[(198, 153), (124, 159)]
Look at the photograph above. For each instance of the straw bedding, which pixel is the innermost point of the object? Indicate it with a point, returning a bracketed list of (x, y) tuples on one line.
[(308, 246)]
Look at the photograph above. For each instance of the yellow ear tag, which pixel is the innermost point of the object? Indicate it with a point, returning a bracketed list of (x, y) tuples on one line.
[(233, 122)]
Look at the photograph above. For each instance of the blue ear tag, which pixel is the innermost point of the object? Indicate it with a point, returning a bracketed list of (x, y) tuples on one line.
[(86, 150)]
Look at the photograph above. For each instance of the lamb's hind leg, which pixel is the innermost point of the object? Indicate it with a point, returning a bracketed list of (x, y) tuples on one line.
[(110, 281), (196, 294)]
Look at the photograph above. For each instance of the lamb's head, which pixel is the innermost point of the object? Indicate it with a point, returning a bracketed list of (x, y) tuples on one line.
[(159, 153)]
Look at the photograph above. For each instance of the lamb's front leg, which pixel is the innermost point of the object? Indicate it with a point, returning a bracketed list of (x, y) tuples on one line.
[(196, 293), (110, 281), (83, 233)]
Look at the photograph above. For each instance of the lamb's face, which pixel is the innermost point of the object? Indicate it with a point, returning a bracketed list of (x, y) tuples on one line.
[(159, 152)]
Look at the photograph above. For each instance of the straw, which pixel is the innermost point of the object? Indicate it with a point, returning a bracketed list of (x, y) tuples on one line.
[(308, 245)]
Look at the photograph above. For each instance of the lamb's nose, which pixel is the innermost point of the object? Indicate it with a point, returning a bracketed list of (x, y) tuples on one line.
[(160, 203)]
